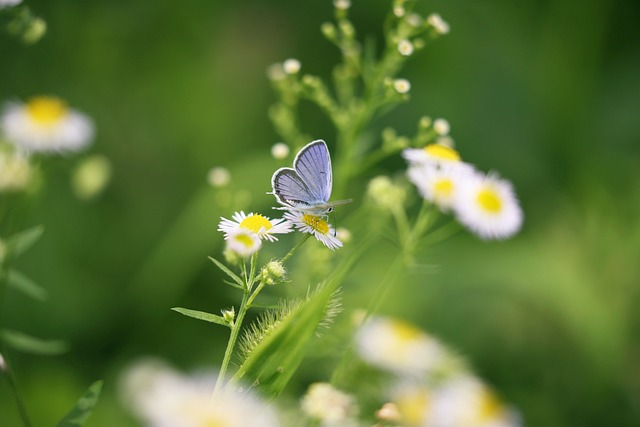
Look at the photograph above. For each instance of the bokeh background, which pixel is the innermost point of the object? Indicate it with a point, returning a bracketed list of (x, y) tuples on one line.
[(545, 92)]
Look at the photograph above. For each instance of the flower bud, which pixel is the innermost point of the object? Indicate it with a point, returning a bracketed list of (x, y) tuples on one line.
[(273, 273)]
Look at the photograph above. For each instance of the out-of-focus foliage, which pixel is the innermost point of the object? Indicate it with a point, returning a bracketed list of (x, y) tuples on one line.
[(545, 92)]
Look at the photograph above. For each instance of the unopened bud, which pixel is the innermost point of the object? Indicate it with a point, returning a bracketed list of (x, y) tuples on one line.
[(273, 273), (229, 315)]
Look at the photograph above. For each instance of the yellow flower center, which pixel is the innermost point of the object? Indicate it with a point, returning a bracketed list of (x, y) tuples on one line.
[(245, 239), (46, 110), (490, 407), (404, 331), (489, 200), (442, 152), (443, 187), (413, 407), (317, 223), (255, 223)]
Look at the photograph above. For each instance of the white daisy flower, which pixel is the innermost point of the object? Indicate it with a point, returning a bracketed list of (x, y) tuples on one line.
[(399, 347), (464, 401), (402, 86), (163, 397), (15, 171), (438, 185), (328, 405), (487, 205), (262, 226), (315, 225), (243, 242), (44, 125), (435, 155), (405, 47)]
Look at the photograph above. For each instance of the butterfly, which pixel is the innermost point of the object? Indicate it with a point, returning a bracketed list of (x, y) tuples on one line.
[(307, 186)]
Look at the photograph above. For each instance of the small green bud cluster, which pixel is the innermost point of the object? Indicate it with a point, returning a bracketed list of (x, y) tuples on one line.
[(273, 273), (386, 194)]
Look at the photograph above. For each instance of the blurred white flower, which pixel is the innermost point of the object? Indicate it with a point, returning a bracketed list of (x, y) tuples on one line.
[(91, 176), (15, 171), (438, 24), (414, 19), (44, 125), (438, 185), (262, 226), (9, 3), (342, 4), (243, 242), (405, 47), (329, 405), (218, 177), (162, 397), (316, 225), (441, 126), (291, 66), (487, 205), (435, 155), (464, 401), (280, 150), (343, 234), (3, 364), (402, 85), (399, 347)]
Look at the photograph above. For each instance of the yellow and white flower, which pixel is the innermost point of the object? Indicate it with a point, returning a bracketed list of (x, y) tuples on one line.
[(262, 226), (487, 205), (243, 242), (15, 171), (438, 185), (163, 397), (399, 347), (405, 47), (45, 124), (329, 405), (461, 401), (437, 155), (315, 225)]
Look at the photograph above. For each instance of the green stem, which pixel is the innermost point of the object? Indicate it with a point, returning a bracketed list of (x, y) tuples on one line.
[(295, 248), (16, 394), (235, 330)]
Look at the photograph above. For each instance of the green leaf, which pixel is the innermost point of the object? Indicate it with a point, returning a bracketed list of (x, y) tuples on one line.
[(230, 273), (20, 242), (227, 282), (201, 315), (273, 361), (29, 344), (22, 283), (83, 408)]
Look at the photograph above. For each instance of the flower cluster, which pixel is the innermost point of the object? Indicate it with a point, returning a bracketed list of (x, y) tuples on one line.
[(430, 385), (484, 203)]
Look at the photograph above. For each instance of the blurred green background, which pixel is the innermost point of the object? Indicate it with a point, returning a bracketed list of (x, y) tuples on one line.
[(545, 92)]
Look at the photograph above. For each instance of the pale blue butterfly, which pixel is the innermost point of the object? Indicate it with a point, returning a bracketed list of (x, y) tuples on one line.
[(307, 186)]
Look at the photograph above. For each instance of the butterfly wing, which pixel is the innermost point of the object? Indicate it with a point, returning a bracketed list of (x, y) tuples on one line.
[(290, 189), (313, 165)]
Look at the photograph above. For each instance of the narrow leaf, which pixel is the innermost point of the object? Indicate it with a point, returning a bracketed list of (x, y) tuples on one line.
[(22, 283), (83, 408), (233, 285), (20, 242), (230, 273), (29, 344), (201, 315)]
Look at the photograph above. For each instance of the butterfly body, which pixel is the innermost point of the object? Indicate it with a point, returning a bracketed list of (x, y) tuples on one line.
[(307, 186)]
